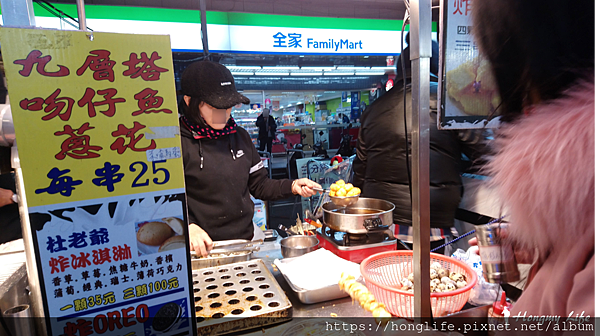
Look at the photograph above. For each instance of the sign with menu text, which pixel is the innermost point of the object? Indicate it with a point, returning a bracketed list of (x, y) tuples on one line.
[(467, 95), (97, 132)]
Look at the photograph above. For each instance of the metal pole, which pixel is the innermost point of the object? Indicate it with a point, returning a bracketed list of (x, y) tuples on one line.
[(420, 42), (203, 27), (18, 13), (30, 257), (81, 15)]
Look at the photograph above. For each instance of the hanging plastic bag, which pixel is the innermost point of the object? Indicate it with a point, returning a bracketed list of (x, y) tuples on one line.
[(340, 171), (484, 293)]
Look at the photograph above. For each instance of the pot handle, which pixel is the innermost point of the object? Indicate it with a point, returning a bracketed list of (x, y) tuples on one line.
[(373, 223)]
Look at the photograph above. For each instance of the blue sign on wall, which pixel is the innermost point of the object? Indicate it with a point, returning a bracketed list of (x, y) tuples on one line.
[(355, 105)]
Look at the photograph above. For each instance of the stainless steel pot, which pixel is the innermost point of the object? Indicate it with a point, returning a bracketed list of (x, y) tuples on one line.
[(366, 215)]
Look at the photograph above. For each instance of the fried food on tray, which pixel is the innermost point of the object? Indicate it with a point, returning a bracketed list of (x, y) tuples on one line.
[(471, 87)]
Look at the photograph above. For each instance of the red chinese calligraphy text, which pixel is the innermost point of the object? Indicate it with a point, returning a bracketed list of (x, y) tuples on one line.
[(108, 100), (34, 58), (77, 145), (119, 144), (148, 70), (54, 105), (148, 102), (100, 63), (462, 7)]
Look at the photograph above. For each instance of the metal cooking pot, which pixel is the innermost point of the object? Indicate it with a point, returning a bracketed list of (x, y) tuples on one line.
[(366, 215)]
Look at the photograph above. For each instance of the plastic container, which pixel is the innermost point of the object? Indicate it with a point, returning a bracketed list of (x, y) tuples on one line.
[(383, 271)]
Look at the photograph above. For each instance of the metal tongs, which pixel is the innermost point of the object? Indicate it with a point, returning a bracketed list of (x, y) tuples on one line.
[(228, 246)]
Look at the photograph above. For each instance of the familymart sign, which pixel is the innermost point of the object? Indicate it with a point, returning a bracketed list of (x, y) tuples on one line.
[(241, 32)]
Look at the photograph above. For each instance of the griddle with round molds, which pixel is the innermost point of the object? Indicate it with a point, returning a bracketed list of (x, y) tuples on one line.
[(230, 297)]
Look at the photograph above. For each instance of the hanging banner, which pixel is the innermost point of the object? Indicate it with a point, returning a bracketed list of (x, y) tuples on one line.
[(467, 95), (97, 131)]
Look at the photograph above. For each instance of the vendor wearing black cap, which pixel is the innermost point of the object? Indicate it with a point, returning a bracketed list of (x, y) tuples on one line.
[(222, 166)]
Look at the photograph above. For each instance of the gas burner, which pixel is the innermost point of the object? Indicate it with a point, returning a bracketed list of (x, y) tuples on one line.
[(357, 239), (356, 247)]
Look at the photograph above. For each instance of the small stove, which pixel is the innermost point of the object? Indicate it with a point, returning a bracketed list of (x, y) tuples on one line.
[(356, 247)]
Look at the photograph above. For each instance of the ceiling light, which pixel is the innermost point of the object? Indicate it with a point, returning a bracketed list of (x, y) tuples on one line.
[(353, 68), (237, 73), (339, 73), (306, 73), (271, 73), (284, 92), (299, 103), (240, 67), (366, 56), (281, 68), (328, 91), (289, 105), (384, 68), (324, 68), (376, 73)]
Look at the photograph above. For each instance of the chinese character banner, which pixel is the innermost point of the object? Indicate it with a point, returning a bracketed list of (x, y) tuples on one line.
[(94, 117)]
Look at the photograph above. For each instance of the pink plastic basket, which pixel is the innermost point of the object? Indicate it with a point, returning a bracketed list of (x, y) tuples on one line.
[(383, 271)]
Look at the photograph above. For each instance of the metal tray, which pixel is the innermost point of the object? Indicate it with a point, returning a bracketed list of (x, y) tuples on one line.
[(214, 259), (210, 261), (231, 297), (306, 296), (317, 295)]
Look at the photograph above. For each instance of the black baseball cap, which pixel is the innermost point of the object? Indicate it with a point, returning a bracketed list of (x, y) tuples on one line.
[(213, 83)]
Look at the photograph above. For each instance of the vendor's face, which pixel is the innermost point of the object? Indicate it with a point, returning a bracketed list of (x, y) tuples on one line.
[(214, 117)]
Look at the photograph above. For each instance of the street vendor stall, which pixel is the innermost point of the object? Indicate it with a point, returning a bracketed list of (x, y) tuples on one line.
[(130, 246)]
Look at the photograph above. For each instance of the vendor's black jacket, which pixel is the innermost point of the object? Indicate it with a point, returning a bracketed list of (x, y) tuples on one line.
[(380, 165), (218, 195)]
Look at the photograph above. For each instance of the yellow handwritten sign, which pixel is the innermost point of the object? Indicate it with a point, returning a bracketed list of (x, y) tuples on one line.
[(94, 117)]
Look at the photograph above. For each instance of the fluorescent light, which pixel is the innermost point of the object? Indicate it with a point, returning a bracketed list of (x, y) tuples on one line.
[(352, 68), (377, 73), (299, 103), (271, 73), (243, 66), (306, 73), (281, 68), (339, 73), (324, 68), (328, 91), (289, 105), (384, 68), (237, 73)]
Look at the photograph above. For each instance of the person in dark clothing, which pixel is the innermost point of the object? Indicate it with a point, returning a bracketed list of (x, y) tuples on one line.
[(344, 118), (10, 222), (266, 130), (222, 167), (380, 166)]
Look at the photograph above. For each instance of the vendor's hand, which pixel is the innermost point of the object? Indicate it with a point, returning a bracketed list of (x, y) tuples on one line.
[(303, 187), (5, 197), (199, 240), (522, 257)]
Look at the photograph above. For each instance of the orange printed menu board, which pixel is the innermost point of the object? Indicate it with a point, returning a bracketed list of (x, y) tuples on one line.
[(97, 132)]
